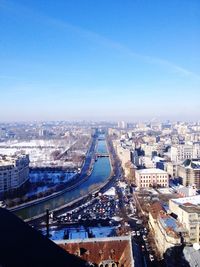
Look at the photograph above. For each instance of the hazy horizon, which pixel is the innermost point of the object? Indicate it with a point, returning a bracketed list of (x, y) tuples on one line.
[(99, 60)]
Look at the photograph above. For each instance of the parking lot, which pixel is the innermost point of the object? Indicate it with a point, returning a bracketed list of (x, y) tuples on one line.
[(103, 209), (117, 209)]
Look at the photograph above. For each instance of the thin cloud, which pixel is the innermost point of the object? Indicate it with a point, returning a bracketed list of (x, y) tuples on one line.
[(96, 37)]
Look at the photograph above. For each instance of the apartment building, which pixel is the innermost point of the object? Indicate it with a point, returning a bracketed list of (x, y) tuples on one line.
[(179, 153), (172, 169), (188, 213), (124, 155), (14, 172), (166, 229), (189, 172)]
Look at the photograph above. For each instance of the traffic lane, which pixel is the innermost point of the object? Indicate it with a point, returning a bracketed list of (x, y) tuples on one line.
[(143, 246), (137, 254)]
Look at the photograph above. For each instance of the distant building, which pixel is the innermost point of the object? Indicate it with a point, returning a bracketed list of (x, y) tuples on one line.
[(172, 169), (179, 153), (151, 177), (14, 172), (129, 172), (188, 213), (159, 162), (189, 172), (102, 252), (149, 149), (124, 155), (146, 162), (122, 125)]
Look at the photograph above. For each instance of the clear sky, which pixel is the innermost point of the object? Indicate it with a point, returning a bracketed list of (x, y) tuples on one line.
[(99, 59)]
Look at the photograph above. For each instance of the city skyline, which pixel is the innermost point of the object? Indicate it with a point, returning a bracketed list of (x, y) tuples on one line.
[(80, 60)]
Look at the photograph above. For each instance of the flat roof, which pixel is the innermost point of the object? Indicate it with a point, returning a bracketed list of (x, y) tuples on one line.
[(195, 200), (151, 170)]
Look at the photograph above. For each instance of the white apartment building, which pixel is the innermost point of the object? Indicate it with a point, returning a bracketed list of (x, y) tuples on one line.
[(147, 162), (172, 169), (188, 211), (151, 177), (149, 149), (14, 172), (179, 153), (124, 155)]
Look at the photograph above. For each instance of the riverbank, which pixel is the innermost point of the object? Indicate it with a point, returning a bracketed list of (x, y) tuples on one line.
[(37, 201), (100, 174), (71, 205), (84, 175)]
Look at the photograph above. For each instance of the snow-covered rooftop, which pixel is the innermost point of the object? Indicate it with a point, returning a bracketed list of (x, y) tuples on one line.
[(110, 192), (195, 200), (151, 170)]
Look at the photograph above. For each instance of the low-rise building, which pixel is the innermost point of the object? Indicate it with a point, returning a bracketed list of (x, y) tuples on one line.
[(14, 172), (151, 177)]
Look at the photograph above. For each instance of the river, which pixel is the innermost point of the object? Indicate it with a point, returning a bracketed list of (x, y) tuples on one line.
[(101, 172)]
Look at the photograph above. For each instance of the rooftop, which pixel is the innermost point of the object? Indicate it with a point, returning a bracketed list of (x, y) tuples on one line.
[(97, 250), (155, 209), (151, 171), (171, 225), (192, 164), (195, 200)]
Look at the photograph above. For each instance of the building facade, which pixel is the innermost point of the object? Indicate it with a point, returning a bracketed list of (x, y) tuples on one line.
[(151, 177), (165, 228), (188, 213), (179, 153), (14, 172), (189, 172)]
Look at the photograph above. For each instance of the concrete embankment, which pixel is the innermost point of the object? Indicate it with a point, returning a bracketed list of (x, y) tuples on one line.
[(70, 205), (84, 175)]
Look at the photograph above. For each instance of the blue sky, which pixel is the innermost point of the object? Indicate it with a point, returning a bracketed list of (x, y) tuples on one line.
[(99, 59)]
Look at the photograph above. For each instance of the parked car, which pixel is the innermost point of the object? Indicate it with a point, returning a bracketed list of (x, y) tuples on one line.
[(151, 257)]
